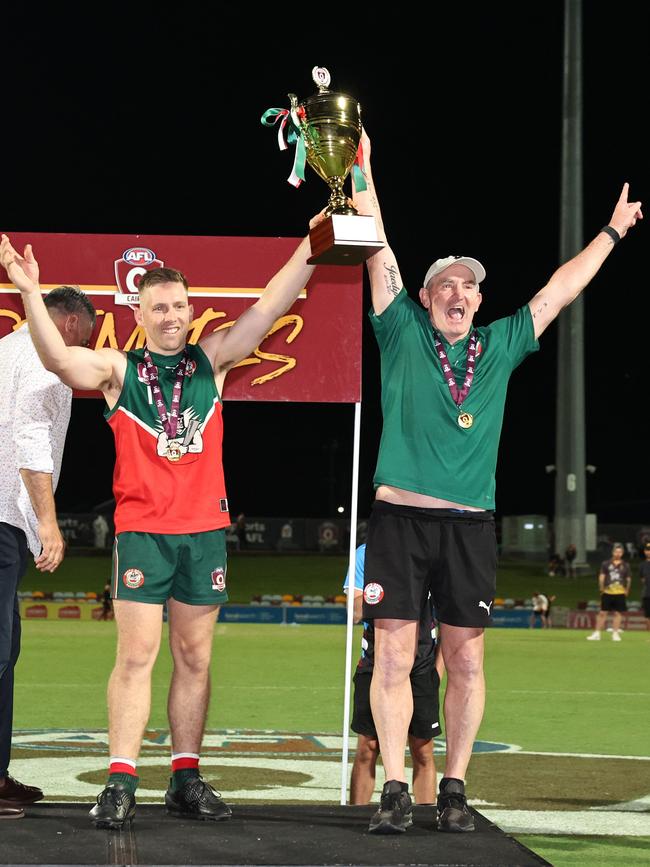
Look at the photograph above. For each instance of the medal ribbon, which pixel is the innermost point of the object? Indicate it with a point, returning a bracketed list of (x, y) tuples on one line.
[(458, 394), (169, 420), (358, 171), (293, 134)]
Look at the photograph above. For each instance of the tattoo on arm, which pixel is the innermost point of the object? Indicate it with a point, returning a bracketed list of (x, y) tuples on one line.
[(540, 309), (392, 286)]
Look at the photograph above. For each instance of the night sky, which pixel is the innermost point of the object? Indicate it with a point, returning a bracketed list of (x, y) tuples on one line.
[(151, 125)]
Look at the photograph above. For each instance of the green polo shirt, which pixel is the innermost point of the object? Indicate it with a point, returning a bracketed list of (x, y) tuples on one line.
[(423, 448)]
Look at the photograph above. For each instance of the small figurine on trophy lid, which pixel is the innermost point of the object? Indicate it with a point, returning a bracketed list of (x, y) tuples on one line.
[(326, 129)]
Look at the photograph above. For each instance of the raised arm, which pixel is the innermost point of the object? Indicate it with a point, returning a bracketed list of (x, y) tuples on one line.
[(385, 279), (571, 278), (76, 366), (227, 347)]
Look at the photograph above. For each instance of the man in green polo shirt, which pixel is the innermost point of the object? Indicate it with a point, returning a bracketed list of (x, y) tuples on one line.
[(444, 383)]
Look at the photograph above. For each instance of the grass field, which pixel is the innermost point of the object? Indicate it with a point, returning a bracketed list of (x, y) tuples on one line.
[(571, 777), (548, 692)]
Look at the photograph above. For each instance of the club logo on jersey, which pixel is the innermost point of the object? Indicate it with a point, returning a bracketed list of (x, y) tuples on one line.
[(133, 263), (188, 438), (373, 593), (133, 578), (190, 367), (479, 348), (218, 580)]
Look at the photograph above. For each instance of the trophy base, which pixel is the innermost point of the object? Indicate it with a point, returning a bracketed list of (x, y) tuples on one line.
[(344, 239)]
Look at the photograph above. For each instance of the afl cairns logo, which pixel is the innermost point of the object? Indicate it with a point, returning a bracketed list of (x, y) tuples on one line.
[(373, 593), (133, 578), (133, 263)]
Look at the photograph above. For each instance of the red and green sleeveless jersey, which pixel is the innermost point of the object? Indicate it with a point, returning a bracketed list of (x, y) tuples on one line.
[(165, 485)]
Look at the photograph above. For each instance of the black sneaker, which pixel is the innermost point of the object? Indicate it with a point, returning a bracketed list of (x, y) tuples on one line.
[(196, 800), (453, 812), (115, 806), (395, 813)]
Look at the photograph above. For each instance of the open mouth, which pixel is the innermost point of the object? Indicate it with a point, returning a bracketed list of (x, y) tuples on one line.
[(456, 313)]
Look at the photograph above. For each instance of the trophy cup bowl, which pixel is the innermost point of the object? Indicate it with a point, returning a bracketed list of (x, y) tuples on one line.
[(331, 127), (330, 124)]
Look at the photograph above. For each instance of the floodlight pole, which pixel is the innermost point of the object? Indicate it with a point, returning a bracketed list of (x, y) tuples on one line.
[(570, 482)]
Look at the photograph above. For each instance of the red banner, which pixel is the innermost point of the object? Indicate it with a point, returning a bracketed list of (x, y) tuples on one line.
[(312, 353)]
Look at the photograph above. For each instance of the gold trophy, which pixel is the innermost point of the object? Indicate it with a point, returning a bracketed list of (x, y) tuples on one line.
[(329, 125)]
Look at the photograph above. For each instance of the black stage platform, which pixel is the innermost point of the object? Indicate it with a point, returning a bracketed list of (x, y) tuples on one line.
[(58, 834)]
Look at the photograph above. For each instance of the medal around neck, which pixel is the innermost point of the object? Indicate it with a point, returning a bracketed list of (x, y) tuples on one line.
[(458, 395), (326, 130)]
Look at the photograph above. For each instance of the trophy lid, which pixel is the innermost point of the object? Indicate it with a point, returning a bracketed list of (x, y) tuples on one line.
[(322, 78), (323, 96)]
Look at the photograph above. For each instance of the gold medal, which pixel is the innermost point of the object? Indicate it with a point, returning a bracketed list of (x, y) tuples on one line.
[(173, 452), (465, 420)]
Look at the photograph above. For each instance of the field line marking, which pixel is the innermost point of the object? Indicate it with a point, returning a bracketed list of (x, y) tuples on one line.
[(569, 692), (581, 822)]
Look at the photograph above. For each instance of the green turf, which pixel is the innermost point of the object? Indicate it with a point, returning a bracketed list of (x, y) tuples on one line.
[(553, 690), (588, 851), (249, 575), (277, 677), (547, 690)]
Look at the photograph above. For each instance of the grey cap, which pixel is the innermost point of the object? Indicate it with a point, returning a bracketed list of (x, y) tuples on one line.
[(440, 264)]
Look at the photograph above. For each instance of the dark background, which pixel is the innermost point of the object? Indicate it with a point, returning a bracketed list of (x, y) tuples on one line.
[(149, 122)]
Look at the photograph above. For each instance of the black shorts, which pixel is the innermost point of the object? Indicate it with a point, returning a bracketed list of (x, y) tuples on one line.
[(613, 602), (646, 606), (412, 551), (425, 723)]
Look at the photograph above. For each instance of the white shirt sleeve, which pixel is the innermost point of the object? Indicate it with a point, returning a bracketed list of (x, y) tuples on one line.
[(40, 399)]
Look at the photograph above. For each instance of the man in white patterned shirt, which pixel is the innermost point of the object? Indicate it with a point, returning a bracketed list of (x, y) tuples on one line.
[(34, 413)]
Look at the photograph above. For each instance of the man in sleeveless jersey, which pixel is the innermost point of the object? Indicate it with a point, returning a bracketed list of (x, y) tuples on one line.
[(444, 384), (164, 406)]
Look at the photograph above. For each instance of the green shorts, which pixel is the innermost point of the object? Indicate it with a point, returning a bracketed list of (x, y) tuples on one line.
[(154, 567)]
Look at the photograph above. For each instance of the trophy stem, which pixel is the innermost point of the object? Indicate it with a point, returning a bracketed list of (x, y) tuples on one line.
[(338, 202)]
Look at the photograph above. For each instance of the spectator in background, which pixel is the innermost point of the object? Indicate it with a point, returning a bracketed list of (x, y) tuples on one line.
[(100, 531), (614, 581), (644, 572), (569, 559), (425, 684), (555, 565), (240, 532), (107, 603), (547, 623), (540, 609), (34, 416)]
